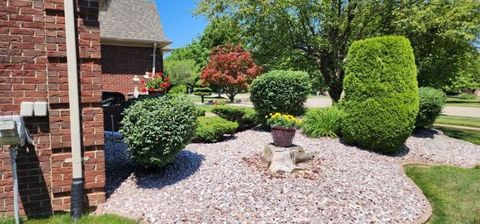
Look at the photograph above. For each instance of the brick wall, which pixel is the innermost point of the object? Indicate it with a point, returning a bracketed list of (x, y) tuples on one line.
[(33, 68), (120, 64)]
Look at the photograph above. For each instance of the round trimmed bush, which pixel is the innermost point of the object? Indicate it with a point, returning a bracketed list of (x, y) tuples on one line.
[(280, 91), (431, 104), (381, 93), (156, 129), (323, 122), (213, 129)]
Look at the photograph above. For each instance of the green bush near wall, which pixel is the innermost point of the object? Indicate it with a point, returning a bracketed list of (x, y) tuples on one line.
[(155, 129), (381, 93), (280, 91)]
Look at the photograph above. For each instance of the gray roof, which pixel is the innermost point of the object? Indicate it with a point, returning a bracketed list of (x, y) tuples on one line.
[(131, 20)]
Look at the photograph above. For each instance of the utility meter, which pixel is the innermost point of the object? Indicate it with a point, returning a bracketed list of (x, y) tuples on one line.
[(13, 131)]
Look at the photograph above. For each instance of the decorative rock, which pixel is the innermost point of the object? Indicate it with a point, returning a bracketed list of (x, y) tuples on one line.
[(282, 159)]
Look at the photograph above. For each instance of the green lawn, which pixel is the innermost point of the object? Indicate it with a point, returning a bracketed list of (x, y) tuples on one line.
[(466, 135), (62, 219), (455, 99), (454, 193), (460, 121), (463, 104)]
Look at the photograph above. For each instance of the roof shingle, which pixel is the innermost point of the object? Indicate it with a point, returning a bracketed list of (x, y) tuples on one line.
[(132, 20)]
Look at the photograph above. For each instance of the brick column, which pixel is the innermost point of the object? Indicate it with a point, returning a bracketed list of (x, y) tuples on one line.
[(33, 68)]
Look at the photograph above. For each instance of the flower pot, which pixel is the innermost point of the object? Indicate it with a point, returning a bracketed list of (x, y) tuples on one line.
[(283, 137), (156, 92)]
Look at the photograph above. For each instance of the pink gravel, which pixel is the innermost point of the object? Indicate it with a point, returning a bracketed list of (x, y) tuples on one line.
[(217, 183)]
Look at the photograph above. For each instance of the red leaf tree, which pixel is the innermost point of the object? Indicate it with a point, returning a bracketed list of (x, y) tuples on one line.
[(230, 68)]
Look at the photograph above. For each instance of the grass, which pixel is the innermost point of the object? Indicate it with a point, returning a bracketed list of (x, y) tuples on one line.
[(460, 121), (454, 193), (458, 102), (463, 104), (61, 219), (466, 135)]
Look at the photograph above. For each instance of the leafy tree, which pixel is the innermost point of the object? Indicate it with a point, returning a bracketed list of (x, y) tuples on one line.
[(318, 33), (193, 51), (231, 68), (468, 78), (183, 72), (218, 32), (443, 35)]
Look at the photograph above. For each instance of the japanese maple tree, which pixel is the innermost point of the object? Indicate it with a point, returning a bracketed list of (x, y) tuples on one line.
[(230, 68)]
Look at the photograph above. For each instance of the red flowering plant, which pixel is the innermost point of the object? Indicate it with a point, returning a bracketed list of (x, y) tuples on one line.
[(231, 68), (157, 82)]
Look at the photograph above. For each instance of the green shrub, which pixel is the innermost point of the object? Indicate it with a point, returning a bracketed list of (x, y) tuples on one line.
[(202, 92), (431, 104), (156, 129), (200, 112), (323, 122), (280, 91), (178, 89), (467, 96), (381, 93), (245, 117), (212, 129)]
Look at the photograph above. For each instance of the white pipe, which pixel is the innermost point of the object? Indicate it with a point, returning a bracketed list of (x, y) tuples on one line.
[(154, 58), (73, 89)]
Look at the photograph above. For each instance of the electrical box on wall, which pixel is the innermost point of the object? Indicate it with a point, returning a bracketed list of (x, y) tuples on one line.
[(37, 109), (26, 109), (40, 109)]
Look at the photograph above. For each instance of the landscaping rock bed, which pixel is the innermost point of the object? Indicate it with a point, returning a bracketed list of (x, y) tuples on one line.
[(222, 182)]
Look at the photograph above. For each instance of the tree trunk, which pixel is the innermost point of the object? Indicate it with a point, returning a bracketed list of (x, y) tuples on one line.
[(333, 75), (231, 97), (335, 92)]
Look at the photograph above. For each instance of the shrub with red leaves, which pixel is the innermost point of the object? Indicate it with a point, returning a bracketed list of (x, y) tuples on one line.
[(231, 68)]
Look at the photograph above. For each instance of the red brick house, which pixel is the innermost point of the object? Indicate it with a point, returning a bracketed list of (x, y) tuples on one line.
[(33, 68), (130, 33)]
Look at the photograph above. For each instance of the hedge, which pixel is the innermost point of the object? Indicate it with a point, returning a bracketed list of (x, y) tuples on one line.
[(381, 93), (213, 129), (431, 105), (156, 129), (280, 91), (245, 117)]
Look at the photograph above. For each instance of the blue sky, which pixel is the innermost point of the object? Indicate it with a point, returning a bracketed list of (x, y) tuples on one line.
[(179, 23)]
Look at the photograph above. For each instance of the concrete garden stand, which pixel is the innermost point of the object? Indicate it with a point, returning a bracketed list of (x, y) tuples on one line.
[(284, 159)]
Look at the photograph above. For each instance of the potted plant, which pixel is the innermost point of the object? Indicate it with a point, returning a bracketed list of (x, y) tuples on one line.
[(157, 84), (284, 127)]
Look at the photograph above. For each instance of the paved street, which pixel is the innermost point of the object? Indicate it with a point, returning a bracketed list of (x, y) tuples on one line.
[(325, 101)]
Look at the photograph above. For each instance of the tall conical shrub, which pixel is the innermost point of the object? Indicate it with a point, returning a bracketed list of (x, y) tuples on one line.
[(381, 93)]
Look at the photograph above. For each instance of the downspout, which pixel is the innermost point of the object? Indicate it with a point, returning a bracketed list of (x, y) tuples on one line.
[(77, 174), (154, 58)]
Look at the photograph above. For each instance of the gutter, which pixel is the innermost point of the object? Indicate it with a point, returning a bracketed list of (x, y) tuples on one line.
[(77, 193), (138, 42), (154, 58)]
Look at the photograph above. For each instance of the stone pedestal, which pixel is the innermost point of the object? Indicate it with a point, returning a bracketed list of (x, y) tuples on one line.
[(284, 159)]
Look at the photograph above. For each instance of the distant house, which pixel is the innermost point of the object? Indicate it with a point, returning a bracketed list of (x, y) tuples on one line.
[(130, 31)]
